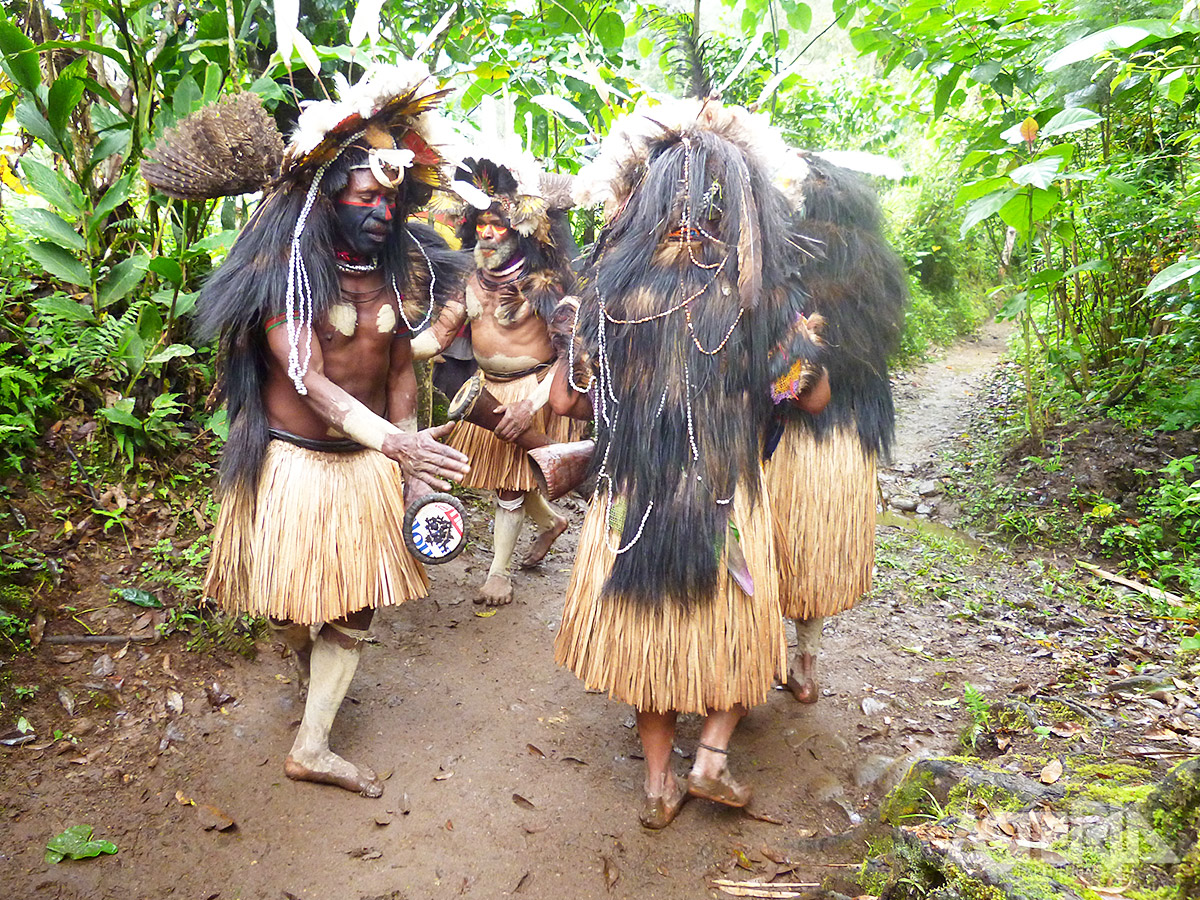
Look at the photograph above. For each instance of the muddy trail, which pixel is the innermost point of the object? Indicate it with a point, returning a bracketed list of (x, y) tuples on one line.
[(504, 777)]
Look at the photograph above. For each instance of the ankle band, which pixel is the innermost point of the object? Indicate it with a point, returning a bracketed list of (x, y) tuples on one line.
[(510, 505), (724, 751), (355, 634)]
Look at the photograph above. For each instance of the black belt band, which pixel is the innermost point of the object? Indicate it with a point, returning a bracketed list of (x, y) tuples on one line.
[(513, 376), (340, 445)]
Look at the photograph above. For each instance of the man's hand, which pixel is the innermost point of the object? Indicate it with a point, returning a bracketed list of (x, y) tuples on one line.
[(422, 457), (517, 418)]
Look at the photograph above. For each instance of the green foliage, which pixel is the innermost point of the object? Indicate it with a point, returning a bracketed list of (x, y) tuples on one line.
[(1164, 544), (76, 842), (981, 715)]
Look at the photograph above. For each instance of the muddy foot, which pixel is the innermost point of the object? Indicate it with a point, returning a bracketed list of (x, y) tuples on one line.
[(660, 811), (721, 788), (541, 545), (802, 680), (329, 768), (496, 591)]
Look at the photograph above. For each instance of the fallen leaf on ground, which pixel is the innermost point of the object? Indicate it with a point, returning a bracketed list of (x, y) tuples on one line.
[(443, 776), (612, 874), (1052, 772), (364, 853), (533, 829), (68, 657), (535, 751), (383, 821), (76, 842), (175, 702), (213, 819), (186, 801), (488, 614), (523, 882), (522, 802)]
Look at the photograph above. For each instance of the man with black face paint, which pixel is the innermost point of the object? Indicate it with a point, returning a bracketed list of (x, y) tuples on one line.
[(522, 249), (313, 307)]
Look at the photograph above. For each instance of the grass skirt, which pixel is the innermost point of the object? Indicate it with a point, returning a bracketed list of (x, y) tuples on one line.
[(823, 496), (320, 539), (727, 649), (498, 465)]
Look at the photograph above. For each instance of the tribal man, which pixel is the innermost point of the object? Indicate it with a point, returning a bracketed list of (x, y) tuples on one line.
[(673, 602), (520, 240), (315, 306), (821, 475)]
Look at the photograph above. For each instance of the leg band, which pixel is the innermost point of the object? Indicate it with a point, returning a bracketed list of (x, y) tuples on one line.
[(355, 634), (510, 505)]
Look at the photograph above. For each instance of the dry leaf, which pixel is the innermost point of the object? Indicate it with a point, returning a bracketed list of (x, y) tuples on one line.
[(535, 751), (69, 656), (186, 801), (522, 802), (1052, 772), (443, 776), (611, 873), (523, 882), (213, 819)]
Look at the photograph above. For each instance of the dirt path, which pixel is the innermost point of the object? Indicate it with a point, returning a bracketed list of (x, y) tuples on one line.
[(506, 777)]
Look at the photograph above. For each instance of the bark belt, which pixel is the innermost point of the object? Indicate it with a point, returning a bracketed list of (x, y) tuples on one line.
[(513, 376), (339, 445)]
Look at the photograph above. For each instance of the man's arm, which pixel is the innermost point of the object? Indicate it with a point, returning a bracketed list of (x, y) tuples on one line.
[(565, 400), (419, 455), (519, 415), (441, 333)]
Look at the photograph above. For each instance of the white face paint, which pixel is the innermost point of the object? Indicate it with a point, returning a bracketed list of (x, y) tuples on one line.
[(343, 317), (386, 321)]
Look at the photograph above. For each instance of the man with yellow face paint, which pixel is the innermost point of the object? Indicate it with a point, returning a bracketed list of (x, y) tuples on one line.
[(521, 248)]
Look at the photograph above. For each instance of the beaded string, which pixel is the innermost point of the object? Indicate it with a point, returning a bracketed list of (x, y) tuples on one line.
[(413, 329), (299, 297)]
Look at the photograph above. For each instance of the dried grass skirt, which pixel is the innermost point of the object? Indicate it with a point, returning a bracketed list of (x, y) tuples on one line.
[(823, 496), (319, 539), (727, 649), (498, 465)]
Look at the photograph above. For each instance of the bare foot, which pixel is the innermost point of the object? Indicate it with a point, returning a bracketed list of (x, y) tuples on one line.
[(803, 684), (496, 591), (720, 788), (541, 544), (659, 810), (329, 768)]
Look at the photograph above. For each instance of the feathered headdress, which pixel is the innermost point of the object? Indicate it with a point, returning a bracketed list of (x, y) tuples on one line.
[(511, 183), (283, 262)]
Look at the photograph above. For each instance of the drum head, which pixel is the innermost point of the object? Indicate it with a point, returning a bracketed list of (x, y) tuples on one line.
[(460, 406), (435, 528)]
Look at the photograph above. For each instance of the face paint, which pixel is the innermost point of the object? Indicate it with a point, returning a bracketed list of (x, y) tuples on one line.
[(364, 212), (495, 242)]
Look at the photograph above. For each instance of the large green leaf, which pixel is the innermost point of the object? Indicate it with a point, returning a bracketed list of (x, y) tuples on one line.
[(985, 206), (64, 96), (1031, 204), (53, 187), (42, 223), (171, 352), (800, 16), (945, 87), (610, 30), (1073, 119), (59, 263), (124, 277), (1172, 275), (563, 108), (1040, 172), (20, 57), (76, 842), (63, 307), (1118, 37), (117, 194), (29, 118)]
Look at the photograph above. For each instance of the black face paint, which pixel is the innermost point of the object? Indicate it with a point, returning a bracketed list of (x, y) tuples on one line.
[(364, 227)]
